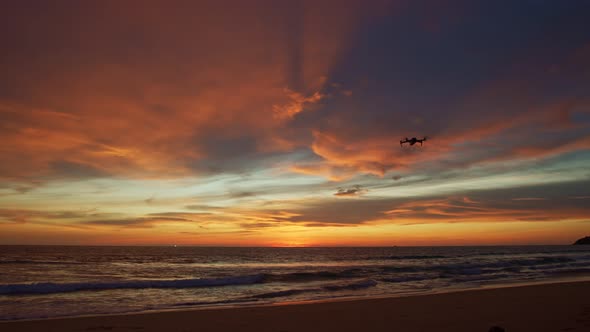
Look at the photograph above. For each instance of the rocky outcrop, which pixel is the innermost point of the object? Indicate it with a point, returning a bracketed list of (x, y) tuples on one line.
[(584, 240)]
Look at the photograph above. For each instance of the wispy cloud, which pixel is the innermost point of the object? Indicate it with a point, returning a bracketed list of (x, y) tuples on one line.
[(142, 222)]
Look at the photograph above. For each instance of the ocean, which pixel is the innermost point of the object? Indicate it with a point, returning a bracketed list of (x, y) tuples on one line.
[(57, 281)]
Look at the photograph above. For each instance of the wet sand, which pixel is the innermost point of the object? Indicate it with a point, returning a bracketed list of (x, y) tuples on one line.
[(534, 308)]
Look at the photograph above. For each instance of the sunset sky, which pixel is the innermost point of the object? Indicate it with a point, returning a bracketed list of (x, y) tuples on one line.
[(277, 123)]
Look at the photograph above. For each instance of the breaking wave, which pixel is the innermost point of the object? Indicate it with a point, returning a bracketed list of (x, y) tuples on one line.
[(361, 284), (49, 288)]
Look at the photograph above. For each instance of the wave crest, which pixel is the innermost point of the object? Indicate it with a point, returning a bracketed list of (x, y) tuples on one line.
[(50, 288)]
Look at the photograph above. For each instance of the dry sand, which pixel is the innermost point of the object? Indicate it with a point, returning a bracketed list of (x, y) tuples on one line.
[(534, 308)]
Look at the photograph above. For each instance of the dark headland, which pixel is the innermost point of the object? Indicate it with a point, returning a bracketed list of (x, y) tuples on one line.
[(584, 240)]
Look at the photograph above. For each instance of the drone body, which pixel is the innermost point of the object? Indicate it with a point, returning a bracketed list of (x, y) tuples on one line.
[(412, 141)]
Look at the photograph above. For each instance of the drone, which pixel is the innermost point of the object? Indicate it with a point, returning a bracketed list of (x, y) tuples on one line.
[(412, 141)]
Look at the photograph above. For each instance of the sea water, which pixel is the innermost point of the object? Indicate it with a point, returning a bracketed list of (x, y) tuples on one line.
[(57, 281)]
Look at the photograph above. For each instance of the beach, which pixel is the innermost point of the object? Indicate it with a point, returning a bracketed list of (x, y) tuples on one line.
[(543, 307)]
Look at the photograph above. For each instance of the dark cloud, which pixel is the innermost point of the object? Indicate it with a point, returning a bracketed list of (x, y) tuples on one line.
[(479, 205), (94, 218), (179, 214), (142, 222), (39, 216), (242, 194), (202, 207), (351, 192), (257, 225), (345, 212), (529, 199)]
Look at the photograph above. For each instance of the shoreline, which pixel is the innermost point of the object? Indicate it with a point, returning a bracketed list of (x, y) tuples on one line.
[(550, 298), (237, 305)]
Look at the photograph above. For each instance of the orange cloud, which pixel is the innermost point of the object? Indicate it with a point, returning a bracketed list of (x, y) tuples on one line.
[(295, 106), (462, 210), (532, 133), (144, 95), (138, 97)]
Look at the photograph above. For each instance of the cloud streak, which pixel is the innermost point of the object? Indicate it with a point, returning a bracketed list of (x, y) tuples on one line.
[(355, 191)]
